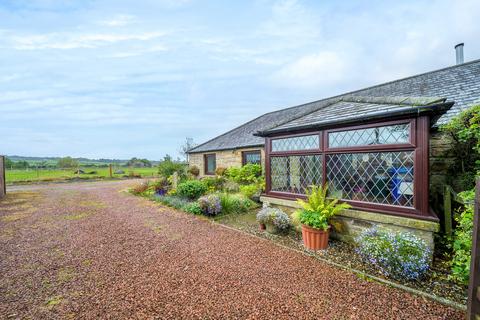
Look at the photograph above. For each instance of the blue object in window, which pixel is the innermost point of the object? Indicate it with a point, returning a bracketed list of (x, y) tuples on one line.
[(398, 175)]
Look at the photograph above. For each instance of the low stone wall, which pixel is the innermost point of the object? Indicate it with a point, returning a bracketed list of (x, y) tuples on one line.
[(225, 158), (350, 223)]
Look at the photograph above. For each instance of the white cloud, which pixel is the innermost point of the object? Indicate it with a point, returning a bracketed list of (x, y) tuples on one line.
[(291, 19), (77, 40), (313, 71), (119, 21)]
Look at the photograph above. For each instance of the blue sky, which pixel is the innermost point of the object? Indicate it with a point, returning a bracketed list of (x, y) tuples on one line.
[(117, 79)]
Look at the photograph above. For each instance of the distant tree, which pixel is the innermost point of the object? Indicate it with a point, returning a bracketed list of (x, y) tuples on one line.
[(67, 162), (21, 164), (146, 163), (8, 163), (136, 162), (186, 146)]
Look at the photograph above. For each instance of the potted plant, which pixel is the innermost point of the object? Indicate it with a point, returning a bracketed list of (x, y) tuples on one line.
[(273, 220), (314, 216)]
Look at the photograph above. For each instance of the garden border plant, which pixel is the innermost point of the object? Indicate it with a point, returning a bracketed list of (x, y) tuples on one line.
[(399, 255), (274, 219), (315, 216)]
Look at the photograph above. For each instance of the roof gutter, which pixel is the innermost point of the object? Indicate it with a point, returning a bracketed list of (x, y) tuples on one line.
[(224, 149), (408, 110)]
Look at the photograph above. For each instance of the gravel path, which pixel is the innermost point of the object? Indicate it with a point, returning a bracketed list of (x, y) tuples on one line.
[(89, 251)]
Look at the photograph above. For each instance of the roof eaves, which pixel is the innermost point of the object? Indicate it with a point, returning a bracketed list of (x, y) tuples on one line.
[(223, 134), (223, 149), (406, 110)]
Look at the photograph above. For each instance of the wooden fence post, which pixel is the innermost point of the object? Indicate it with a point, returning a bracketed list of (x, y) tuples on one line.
[(175, 180), (3, 183), (447, 205), (473, 309), (110, 170)]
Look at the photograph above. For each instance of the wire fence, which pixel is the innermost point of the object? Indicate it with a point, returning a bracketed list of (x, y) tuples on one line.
[(77, 173)]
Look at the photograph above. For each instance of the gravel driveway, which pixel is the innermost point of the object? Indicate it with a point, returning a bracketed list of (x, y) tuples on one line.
[(90, 251)]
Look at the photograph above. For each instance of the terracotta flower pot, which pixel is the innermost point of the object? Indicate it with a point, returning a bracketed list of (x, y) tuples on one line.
[(262, 226), (314, 239)]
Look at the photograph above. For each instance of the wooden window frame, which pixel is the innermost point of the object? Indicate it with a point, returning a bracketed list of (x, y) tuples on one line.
[(245, 153), (205, 163), (419, 142)]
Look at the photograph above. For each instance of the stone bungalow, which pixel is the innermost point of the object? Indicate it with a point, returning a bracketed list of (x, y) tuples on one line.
[(379, 149)]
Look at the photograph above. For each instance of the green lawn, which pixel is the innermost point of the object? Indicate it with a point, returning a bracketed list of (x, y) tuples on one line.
[(31, 175)]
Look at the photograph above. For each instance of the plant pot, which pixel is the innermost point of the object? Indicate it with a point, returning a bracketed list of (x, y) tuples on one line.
[(271, 228), (262, 226), (314, 239)]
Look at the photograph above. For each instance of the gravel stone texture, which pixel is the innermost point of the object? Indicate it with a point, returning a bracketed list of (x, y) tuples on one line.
[(436, 281), (91, 251)]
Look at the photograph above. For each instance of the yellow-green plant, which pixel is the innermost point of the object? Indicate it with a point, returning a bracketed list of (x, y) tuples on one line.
[(318, 208)]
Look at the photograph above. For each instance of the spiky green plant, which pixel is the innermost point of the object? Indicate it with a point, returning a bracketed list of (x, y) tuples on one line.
[(318, 208)]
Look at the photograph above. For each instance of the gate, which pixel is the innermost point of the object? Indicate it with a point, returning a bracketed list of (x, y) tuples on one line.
[(3, 187), (473, 311)]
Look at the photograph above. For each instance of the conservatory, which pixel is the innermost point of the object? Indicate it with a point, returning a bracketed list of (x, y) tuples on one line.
[(372, 152)]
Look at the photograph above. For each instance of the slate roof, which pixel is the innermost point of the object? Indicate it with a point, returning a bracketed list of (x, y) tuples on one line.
[(458, 83), (352, 109)]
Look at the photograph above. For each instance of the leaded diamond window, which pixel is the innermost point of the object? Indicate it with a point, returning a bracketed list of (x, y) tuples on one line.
[(254, 157), (295, 174), (392, 134), (378, 177), (296, 143)]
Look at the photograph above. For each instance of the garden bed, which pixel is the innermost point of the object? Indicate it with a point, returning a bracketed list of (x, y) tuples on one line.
[(436, 282)]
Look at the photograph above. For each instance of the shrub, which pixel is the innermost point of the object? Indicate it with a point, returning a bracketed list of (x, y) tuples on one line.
[(167, 167), (231, 186), (161, 186), (250, 190), (401, 256), (462, 240), (249, 173), (464, 129), (279, 219), (220, 171), (172, 201), (140, 188), (213, 183), (191, 189), (318, 209), (194, 171), (234, 203), (210, 204), (193, 207)]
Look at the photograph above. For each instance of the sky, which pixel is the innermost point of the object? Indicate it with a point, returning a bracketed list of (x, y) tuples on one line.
[(121, 79)]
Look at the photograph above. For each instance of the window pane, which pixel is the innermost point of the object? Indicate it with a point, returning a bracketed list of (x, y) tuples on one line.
[(211, 165), (296, 143), (379, 177), (252, 157), (295, 173), (393, 134)]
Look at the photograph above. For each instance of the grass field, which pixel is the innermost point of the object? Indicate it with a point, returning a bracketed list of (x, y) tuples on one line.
[(32, 175)]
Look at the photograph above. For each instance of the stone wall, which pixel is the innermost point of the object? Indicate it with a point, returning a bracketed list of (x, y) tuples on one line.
[(350, 223), (225, 158), (441, 158)]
